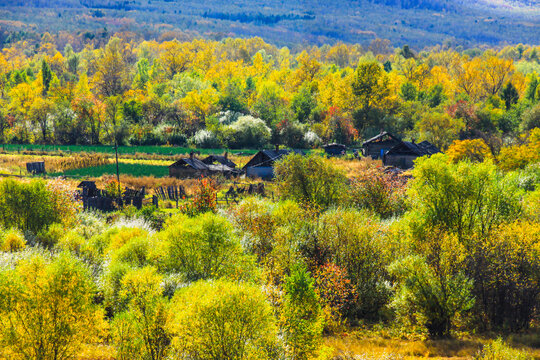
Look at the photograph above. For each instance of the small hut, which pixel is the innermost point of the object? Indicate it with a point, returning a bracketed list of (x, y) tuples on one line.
[(219, 159), (262, 163), (188, 167), (403, 154), (335, 149), (378, 145), (36, 168)]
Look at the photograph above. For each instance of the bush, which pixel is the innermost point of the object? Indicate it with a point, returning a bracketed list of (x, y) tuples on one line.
[(433, 298), (32, 206), (12, 240), (50, 303), (247, 132), (205, 139), (204, 247), (301, 316), (310, 179), (499, 350), (223, 320)]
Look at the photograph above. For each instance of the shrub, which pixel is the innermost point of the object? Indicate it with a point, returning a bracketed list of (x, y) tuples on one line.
[(223, 320), (47, 309), (433, 298), (205, 139), (32, 206), (247, 132), (499, 350), (310, 179), (381, 193), (301, 316), (204, 200), (203, 247), (12, 240)]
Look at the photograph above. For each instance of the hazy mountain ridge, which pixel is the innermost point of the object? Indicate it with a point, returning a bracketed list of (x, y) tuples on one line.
[(419, 23)]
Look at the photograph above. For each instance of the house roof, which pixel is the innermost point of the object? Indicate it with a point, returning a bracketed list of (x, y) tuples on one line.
[(87, 184), (211, 159), (334, 145), (418, 149), (380, 136), (191, 162), (268, 157)]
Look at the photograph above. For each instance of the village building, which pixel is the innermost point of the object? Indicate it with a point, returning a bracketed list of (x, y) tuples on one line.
[(378, 145), (262, 163), (403, 154), (335, 149), (219, 159), (191, 167)]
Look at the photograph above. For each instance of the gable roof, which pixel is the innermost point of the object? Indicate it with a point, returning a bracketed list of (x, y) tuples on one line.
[(266, 158), (211, 159), (190, 162), (409, 148), (380, 136)]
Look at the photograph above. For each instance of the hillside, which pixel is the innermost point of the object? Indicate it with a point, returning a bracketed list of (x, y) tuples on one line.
[(418, 23)]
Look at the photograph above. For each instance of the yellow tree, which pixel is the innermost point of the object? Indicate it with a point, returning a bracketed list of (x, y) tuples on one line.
[(495, 71), (475, 150), (439, 129), (47, 309), (176, 57)]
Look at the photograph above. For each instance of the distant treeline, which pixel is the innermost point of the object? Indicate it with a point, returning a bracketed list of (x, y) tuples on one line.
[(256, 17)]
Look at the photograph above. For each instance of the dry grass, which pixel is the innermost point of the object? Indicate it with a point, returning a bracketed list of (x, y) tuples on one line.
[(353, 167), (356, 346)]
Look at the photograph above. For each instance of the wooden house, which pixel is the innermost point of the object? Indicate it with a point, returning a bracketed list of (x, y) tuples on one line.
[(335, 149), (188, 167), (403, 154), (262, 163), (380, 144), (219, 159)]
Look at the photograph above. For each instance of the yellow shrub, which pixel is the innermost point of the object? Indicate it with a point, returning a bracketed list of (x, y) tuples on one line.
[(12, 240)]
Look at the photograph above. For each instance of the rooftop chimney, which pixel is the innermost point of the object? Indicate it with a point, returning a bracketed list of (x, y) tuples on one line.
[(277, 147), (191, 153), (226, 155)]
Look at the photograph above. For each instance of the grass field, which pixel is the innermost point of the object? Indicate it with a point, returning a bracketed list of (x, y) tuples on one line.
[(137, 170), (122, 150)]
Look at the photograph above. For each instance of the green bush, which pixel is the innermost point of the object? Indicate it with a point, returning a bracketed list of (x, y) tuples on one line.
[(223, 320), (499, 350)]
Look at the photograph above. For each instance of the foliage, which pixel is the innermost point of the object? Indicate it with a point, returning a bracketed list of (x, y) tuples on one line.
[(471, 150), (499, 350), (301, 315), (32, 206), (222, 319), (309, 179), (204, 200), (47, 309)]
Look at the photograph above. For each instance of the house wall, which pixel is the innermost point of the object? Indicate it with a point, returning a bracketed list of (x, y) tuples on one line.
[(400, 161), (263, 172), (184, 173), (374, 149)]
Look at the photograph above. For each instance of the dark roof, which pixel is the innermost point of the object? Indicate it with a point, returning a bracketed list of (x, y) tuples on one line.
[(268, 157), (418, 149), (211, 159), (87, 184), (380, 136), (341, 146), (191, 162)]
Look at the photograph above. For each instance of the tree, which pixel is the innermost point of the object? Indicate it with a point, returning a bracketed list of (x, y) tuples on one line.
[(46, 76), (469, 150), (440, 129), (510, 95), (371, 87), (309, 179), (141, 332), (112, 72), (439, 297), (223, 320), (301, 318), (47, 309)]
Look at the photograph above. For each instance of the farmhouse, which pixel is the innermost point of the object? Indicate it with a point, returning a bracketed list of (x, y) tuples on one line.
[(262, 163), (191, 167), (335, 149), (403, 154), (219, 159), (378, 145)]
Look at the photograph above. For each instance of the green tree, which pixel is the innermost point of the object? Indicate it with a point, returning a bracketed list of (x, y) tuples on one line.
[(46, 76), (223, 320), (47, 309), (301, 316), (310, 179), (510, 95)]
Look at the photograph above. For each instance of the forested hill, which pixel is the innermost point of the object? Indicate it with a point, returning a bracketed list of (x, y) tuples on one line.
[(418, 23)]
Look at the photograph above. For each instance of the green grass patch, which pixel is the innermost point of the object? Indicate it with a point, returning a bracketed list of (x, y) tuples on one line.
[(137, 170), (127, 150)]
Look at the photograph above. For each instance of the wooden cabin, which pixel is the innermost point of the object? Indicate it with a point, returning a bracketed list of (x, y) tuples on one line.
[(403, 154), (219, 159), (262, 163), (335, 149), (378, 145), (188, 167)]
